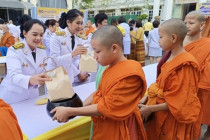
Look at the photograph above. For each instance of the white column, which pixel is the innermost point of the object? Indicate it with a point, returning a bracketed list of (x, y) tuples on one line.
[(95, 12), (117, 12), (69, 4), (202, 1), (156, 8), (167, 10)]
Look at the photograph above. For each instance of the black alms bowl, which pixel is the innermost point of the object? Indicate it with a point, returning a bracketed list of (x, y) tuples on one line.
[(75, 101)]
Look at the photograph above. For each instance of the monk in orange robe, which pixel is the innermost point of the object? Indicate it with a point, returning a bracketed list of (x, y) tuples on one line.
[(172, 100), (114, 106), (206, 29), (9, 128), (199, 47), (7, 39), (90, 27)]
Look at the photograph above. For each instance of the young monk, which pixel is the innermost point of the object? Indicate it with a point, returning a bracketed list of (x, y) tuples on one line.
[(173, 98), (200, 48), (9, 128), (114, 106)]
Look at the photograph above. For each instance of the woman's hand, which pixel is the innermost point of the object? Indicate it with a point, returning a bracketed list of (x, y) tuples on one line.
[(83, 76), (79, 50), (145, 111), (39, 79), (62, 114)]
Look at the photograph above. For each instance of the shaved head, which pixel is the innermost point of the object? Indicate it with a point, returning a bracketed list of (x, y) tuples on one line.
[(199, 15), (175, 26), (108, 35)]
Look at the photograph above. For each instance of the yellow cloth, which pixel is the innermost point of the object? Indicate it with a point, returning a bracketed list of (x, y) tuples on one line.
[(122, 30), (140, 34), (78, 129), (41, 101), (25, 137), (148, 26), (133, 40)]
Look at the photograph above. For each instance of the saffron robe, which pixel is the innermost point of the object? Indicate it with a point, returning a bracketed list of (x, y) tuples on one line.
[(9, 128), (201, 51), (177, 85), (121, 88)]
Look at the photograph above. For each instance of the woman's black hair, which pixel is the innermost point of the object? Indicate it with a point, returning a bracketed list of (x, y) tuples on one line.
[(138, 23), (99, 18), (28, 25), (21, 21), (156, 23), (70, 15), (121, 19), (49, 22), (113, 22)]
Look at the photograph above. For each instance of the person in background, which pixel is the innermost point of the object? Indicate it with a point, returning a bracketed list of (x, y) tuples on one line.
[(7, 39), (140, 50), (126, 38), (21, 21), (13, 30), (90, 28), (132, 25), (51, 28), (115, 23), (147, 27), (24, 65), (155, 51)]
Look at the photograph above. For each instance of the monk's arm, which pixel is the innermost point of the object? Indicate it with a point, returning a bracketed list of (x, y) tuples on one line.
[(90, 110), (158, 107), (89, 100), (62, 114)]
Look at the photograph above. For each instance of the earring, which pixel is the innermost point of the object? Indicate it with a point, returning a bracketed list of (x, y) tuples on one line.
[(201, 30)]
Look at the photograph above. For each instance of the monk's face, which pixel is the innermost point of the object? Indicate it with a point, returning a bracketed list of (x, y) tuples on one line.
[(103, 55), (194, 26), (165, 39)]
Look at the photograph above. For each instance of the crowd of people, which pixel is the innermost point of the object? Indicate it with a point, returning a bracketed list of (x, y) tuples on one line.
[(174, 107)]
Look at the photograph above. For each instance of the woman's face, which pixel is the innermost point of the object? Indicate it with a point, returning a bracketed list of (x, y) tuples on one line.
[(34, 36), (52, 28), (75, 26)]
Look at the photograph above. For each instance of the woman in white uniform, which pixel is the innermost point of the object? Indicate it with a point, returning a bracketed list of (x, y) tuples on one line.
[(66, 46), (51, 28), (24, 65)]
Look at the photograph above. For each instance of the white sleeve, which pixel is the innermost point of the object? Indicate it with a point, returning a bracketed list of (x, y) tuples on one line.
[(14, 69), (55, 52)]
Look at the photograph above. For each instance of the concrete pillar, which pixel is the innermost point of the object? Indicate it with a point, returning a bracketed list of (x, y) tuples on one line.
[(69, 4), (202, 1), (156, 8), (167, 10), (95, 12), (117, 12)]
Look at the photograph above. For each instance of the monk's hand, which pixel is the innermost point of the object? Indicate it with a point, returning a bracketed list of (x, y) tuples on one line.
[(145, 111), (61, 114)]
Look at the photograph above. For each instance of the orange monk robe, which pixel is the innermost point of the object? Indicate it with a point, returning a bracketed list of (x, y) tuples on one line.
[(92, 29), (9, 128), (177, 85), (206, 29), (201, 51), (121, 88), (7, 40)]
